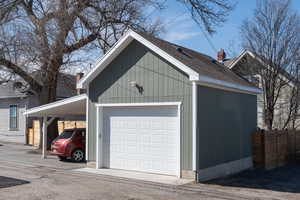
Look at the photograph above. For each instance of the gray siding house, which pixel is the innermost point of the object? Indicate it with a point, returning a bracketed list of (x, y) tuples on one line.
[(12, 120), (13, 103), (245, 65), (156, 107)]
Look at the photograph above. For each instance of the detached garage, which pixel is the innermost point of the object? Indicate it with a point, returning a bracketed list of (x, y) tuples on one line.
[(156, 107)]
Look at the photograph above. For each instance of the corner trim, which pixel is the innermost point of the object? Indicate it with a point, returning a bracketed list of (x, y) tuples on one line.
[(194, 123), (87, 126)]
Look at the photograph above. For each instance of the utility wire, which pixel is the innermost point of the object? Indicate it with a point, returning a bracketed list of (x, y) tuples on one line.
[(209, 40), (207, 37)]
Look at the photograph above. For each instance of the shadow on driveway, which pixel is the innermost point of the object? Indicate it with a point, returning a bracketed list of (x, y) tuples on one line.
[(10, 182), (283, 179)]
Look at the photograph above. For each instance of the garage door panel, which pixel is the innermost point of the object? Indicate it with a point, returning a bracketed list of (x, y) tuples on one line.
[(142, 139)]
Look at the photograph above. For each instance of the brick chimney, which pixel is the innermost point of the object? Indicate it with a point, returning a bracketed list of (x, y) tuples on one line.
[(221, 56), (78, 77)]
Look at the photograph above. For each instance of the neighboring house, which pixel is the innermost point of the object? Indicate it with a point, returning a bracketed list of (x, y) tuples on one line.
[(12, 120), (14, 102), (157, 107), (244, 66)]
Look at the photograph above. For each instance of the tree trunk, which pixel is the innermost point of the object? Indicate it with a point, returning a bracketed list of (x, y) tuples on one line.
[(48, 95), (52, 128)]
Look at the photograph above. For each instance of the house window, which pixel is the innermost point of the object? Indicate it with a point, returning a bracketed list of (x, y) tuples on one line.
[(13, 117)]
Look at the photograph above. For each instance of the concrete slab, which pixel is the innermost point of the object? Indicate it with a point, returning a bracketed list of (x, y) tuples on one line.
[(155, 178)]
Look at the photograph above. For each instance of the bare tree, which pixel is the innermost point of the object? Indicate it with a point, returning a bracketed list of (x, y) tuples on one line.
[(292, 120), (208, 13), (50, 35), (46, 36), (273, 35)]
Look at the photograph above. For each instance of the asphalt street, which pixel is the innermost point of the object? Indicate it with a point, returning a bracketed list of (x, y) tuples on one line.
[(24, 175)]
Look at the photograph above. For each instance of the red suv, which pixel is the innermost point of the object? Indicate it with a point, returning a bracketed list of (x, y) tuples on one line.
[(70, 144)]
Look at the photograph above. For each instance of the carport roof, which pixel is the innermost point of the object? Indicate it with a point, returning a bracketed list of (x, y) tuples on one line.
[(73, 106)]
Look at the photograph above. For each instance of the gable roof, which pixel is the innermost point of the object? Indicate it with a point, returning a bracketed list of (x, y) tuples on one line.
[(66, 84), (7, 91), (231, 63), (199, 67)]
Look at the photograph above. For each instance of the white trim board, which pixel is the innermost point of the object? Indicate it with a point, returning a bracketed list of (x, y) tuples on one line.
[(87, 126), (138, 104), (214, 83), (244, 52), (13, 97), (128, 38), (99, 127), (194, 122)]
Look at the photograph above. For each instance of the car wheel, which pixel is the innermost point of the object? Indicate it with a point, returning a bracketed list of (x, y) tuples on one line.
[(61, 158), (77, 155)]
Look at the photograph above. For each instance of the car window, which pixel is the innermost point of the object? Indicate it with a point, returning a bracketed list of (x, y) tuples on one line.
[(79, 133), (66, 134)]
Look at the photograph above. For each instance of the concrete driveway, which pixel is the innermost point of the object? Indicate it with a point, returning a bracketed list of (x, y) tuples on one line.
[(26, 176), (8, 136)]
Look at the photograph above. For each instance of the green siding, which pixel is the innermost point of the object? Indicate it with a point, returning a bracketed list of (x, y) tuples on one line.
[(225, 123), (161, 81)]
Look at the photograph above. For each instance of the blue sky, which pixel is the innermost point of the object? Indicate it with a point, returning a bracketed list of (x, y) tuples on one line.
[(181, 30)]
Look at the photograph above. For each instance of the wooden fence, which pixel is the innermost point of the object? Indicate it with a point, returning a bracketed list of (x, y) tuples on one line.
[(273, 149), (33, 136)]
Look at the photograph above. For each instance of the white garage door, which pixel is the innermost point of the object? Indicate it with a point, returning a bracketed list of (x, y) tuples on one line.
[(142, 139)]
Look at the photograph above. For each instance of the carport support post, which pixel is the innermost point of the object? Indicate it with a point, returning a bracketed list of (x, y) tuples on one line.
[(45, 124)]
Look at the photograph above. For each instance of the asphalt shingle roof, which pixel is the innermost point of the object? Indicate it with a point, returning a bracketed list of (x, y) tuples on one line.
[(66, 87), (201, 63), (7, 91)]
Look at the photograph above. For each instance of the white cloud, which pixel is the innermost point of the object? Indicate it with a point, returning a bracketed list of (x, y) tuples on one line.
[(179, 36), (180, 28)]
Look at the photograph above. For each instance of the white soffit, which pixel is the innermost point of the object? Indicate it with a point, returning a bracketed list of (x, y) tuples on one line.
[(73, 106)]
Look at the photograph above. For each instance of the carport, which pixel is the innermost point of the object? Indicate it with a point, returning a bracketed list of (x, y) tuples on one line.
[(66, 108)]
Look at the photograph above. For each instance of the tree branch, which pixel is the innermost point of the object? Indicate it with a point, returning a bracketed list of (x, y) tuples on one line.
[(80, 43), (16, 69)]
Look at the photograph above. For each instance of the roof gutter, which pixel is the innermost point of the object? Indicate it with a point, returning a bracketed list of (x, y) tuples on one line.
[(224, 85), (12, 97)]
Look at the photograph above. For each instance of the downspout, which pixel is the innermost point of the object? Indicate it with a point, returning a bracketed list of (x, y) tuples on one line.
[(26, 139), (194, 126), (87, 126)]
